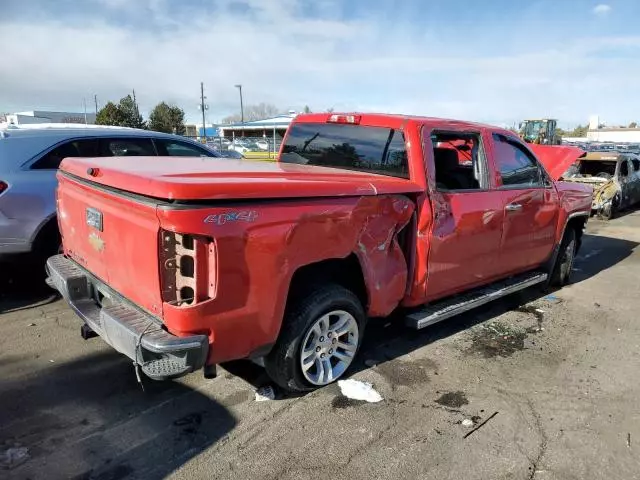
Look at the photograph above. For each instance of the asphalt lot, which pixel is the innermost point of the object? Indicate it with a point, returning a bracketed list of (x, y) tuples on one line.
[(561, 372)]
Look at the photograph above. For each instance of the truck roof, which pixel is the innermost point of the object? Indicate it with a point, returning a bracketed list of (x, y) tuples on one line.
[(394, 120)]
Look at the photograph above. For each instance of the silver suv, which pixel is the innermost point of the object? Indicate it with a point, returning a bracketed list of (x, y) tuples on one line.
[(29, 158)]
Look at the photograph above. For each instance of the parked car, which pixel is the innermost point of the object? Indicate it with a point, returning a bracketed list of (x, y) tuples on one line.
[(29, 158), (285, 262), (615, 177), (263, 144)]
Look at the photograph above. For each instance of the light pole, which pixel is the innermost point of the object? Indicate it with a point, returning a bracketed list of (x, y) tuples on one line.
[(239, 87)]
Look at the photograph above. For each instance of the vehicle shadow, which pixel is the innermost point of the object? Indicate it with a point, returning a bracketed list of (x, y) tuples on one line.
[(89, 418), (389, 338), (22, 287)]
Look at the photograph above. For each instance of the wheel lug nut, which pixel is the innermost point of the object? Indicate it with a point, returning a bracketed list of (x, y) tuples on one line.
[(329, 334), (322, 356), (330, 351), (317, 349), (334, 341), (322, 339)]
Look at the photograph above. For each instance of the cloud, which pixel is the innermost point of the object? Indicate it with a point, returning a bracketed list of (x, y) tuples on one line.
[(294, 59), (601, 9)]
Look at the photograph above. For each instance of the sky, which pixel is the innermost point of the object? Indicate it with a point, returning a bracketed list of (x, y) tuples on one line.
[(495, 61)]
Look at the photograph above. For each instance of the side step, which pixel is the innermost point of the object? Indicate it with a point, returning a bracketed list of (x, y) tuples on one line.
[(449, 307)]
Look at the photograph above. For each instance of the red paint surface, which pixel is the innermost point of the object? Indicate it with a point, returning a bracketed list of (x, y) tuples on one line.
[(457, 240)]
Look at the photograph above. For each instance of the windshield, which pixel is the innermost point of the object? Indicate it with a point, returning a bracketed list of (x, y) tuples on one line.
[(368, 149), (532, 129)]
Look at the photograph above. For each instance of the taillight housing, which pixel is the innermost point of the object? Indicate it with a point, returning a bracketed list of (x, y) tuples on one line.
[(3, 186), (188, 273)]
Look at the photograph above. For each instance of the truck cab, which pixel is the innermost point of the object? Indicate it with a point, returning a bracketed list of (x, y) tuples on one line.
[(183, 266)]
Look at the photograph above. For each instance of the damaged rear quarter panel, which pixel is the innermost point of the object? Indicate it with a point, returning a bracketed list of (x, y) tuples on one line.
[(258, 257)]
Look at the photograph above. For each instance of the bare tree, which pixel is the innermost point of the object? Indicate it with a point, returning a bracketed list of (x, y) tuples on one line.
[(254, 112)]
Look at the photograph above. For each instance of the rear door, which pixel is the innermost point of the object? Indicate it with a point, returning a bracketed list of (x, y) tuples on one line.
[(467, 212), (127, 147), (530, 205)]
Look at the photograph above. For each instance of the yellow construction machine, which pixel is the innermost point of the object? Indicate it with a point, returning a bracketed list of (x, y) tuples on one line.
[(542, 131)]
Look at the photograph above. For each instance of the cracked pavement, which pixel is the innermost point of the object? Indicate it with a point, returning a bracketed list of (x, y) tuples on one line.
[(563, 381)]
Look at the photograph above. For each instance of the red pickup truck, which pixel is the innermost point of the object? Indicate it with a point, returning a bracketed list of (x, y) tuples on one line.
[(181, 265)]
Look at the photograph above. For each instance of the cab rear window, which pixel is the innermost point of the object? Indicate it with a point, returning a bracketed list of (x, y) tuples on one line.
[(352, 147)]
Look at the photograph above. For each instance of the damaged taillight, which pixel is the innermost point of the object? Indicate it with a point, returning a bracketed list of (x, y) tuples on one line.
[(3, 186), (187, 268)]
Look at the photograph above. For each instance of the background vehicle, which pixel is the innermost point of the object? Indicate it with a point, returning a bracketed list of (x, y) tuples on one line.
[(541, 131), (286, 261), (29, 158), (614, 176)]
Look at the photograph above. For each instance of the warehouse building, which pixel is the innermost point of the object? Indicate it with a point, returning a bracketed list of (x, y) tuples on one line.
[(600, 134), (45, 116)]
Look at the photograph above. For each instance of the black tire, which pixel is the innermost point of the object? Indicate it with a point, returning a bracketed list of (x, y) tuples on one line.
[(283, 362), (612, 211), (47, 243), (561, 274)]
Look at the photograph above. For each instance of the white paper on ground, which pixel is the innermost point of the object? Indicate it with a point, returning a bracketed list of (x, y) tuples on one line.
[(264, 394), (357, 390)]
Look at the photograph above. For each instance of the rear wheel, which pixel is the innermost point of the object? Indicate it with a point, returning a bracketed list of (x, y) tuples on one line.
[(564, 263), (320, 336)]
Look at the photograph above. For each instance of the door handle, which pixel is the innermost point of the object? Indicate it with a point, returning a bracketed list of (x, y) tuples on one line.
[(513, 207)]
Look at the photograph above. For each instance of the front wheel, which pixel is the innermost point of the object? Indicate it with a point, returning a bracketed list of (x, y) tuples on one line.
[(561, 275), (320, 336)]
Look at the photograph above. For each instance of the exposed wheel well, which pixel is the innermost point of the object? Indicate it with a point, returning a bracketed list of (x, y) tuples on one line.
[(47, 237), (342, 271)]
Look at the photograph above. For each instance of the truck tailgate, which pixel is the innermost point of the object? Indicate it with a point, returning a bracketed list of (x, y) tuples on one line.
[(116, 240)]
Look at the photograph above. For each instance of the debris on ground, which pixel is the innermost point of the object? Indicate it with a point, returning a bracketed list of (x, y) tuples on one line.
[(264, 394), (12, 457), (481, 424), (453, 399), (32, 324), (628, 440), (553, 299), (467, 423), (357, 390)]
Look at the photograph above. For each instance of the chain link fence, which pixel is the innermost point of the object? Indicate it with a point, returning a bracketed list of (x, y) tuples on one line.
[(260, 148)]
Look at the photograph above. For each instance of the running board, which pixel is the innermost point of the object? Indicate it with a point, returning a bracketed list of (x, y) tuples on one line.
[(449, 307)]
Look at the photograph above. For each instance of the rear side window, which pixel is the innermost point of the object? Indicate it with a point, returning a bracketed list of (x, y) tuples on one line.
[(518, 167), (368, 149), (76, 148), (127, 147), (175, 148), (636, 165)]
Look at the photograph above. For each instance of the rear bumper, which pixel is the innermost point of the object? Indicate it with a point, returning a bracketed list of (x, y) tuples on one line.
[(130, 331)]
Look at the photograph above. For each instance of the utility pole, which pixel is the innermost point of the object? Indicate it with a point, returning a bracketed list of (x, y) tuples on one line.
[(95, 99), (203, 107)]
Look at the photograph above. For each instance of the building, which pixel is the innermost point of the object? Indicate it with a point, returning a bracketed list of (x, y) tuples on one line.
[(268, 127), (44, 116), (598, 133)]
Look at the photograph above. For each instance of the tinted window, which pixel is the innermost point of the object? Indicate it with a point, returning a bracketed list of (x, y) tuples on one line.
[(517, 167), (75, 148), (174, 148), (370, 149), (127, 147), (636, 165)]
